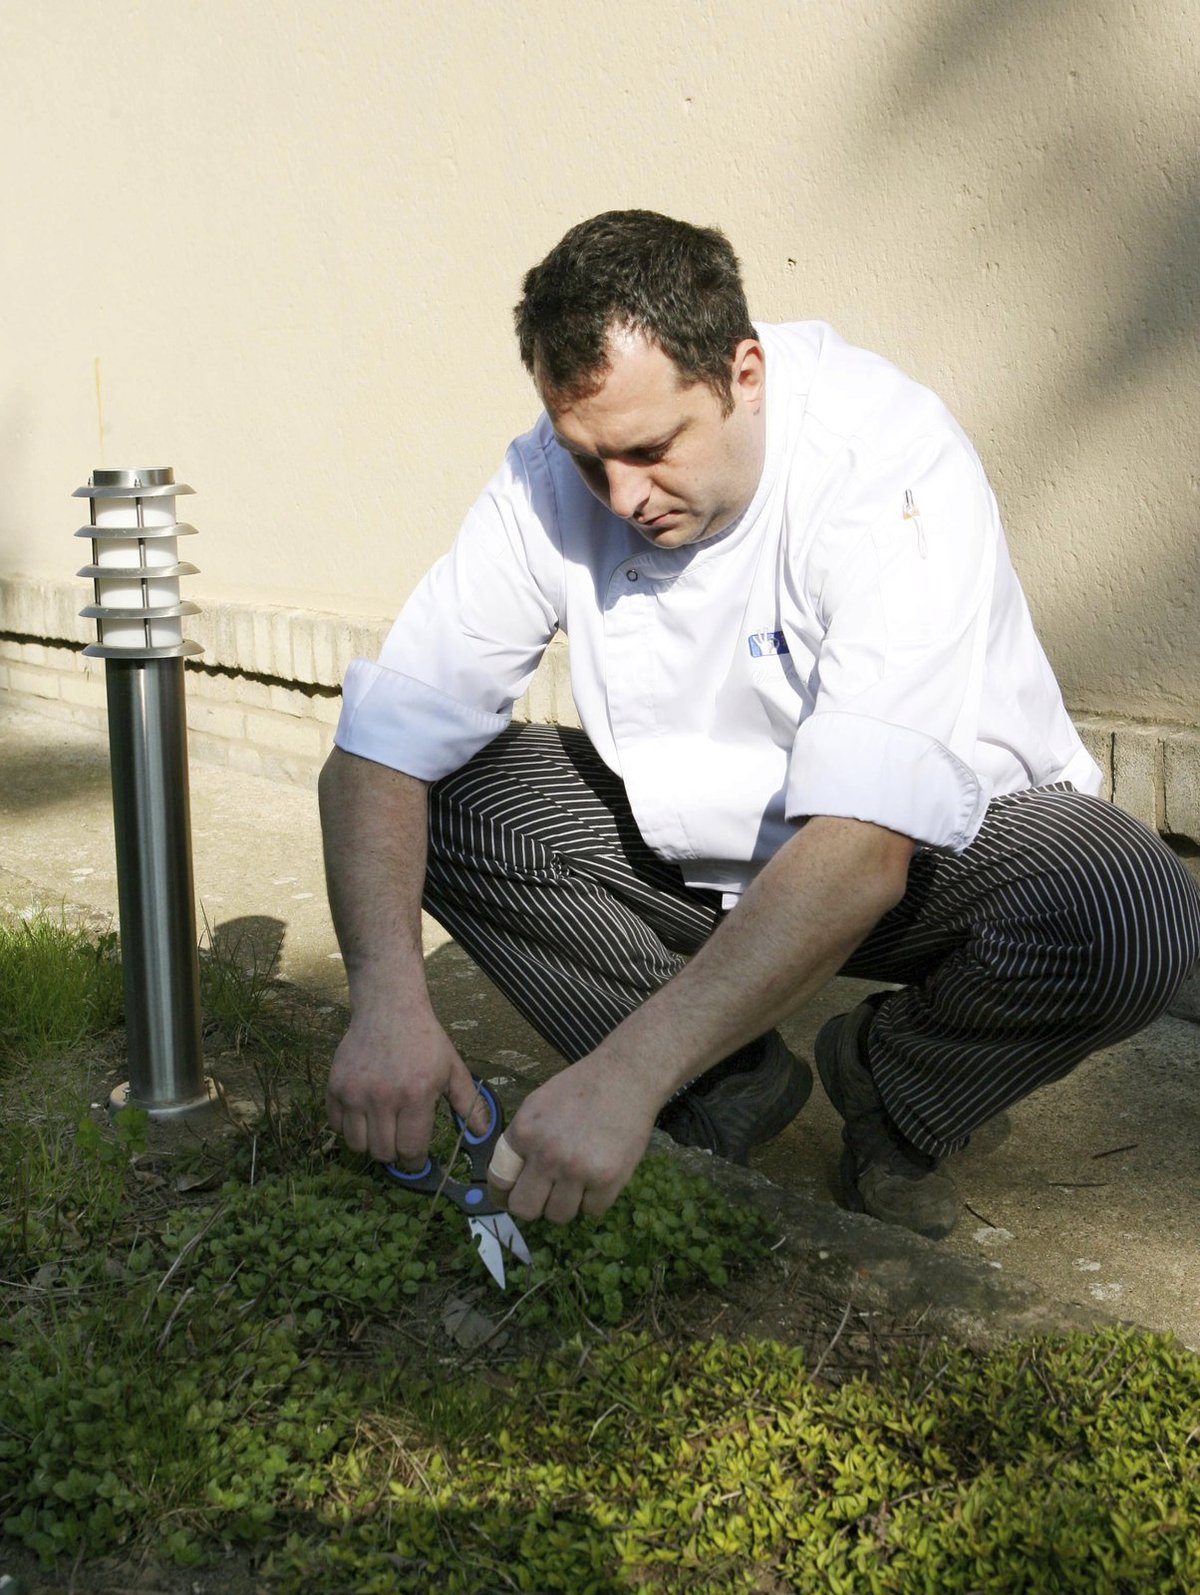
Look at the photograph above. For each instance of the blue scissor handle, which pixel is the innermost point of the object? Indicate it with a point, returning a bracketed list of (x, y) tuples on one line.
[(432, 1178)]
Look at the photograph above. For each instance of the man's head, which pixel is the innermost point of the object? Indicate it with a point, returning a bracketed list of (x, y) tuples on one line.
[(636, 332), (633, 271)]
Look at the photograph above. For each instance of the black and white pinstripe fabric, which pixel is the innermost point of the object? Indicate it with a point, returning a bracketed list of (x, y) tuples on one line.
[(1065, 926)]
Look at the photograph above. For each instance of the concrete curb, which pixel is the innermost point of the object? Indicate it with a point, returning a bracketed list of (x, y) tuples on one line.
[(878, 1267)]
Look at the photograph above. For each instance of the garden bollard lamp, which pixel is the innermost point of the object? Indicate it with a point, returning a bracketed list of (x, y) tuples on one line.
[(135, 571)]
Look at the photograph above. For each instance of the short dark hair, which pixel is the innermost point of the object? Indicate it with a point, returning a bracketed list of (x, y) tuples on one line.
[(678, 285)]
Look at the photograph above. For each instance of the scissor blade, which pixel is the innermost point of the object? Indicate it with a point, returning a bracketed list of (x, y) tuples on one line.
[(509, 1235), (488, 1246)]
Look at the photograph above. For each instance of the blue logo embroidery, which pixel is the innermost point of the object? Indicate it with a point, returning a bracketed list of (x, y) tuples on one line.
[(763, 644)]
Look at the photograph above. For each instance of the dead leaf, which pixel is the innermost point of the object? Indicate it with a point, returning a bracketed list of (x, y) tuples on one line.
[(468, 1327), (202, 1181)]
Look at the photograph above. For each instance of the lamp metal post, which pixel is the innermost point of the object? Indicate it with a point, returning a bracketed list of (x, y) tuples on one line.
[(135, 572)]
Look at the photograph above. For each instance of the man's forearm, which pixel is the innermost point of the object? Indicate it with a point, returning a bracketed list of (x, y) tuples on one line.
[(581, 1134), (374, 825), (803, 916), (395, 1060)]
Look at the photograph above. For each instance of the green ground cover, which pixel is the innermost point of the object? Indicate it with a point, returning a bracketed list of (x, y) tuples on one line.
[(242, 1357)]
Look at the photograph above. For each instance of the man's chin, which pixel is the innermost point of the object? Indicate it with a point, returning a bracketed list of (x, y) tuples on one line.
[(675, 532)]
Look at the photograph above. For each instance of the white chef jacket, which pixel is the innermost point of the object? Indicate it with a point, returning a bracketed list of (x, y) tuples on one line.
[(855, 644)]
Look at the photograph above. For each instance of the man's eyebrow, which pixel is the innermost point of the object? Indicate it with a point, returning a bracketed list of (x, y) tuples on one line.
[(570, 448), (637, 448)]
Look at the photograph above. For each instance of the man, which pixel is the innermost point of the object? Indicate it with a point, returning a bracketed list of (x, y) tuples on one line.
[(819, 735)]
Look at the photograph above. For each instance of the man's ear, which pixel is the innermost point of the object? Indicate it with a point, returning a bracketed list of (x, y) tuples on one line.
[(748, 374)]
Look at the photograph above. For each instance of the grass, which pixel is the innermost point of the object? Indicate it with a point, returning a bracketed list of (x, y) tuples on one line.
[(260, 1370), (239, 1001), (59, 985)]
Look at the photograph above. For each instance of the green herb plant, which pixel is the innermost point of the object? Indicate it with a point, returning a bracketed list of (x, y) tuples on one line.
[(211, 1392), (1044, 1468)]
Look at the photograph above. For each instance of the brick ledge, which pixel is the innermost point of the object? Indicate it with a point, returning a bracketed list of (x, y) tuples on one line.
[(1150, 770)]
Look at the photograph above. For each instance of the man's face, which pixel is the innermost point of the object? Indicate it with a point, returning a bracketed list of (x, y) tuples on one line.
[(659, 451)]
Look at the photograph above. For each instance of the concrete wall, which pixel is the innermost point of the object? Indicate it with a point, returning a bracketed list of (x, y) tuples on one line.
[(275, 244)]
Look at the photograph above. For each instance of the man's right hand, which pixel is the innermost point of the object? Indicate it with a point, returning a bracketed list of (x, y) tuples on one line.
[(387, 1075), (395, 1060)]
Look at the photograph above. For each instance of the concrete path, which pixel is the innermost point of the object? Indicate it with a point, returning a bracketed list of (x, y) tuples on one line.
[(1090, 1189)]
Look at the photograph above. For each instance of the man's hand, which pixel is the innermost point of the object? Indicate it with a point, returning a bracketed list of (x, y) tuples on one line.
[(387, 1075), (581, 1135)]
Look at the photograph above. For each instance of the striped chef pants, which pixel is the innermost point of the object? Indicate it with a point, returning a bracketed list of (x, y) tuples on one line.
[(1065, 926)]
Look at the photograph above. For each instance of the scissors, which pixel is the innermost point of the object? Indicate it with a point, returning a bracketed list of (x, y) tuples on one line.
[(491, 1228)]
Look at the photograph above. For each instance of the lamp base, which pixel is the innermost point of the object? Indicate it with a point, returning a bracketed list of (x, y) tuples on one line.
[(211, 1097)]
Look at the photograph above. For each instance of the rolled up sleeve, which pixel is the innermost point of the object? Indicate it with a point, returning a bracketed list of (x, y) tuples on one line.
[(395, 720), (906, 573), (469, 639), (858, 768)]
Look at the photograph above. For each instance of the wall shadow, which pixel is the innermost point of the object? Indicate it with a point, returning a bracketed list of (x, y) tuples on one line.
[(1084, 203), (50, 772)]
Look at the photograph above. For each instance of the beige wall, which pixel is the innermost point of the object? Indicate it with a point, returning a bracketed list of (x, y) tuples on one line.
[(288, 235)]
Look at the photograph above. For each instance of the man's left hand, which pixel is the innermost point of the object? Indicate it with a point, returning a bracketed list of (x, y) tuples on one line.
[(581, 1135)]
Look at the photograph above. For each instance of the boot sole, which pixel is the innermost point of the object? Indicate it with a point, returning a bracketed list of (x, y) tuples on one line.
[(851, 1198)]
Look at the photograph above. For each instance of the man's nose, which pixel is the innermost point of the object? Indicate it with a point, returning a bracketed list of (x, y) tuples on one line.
[(628, 488)]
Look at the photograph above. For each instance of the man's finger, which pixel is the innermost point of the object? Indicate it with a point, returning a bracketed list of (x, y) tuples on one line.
[(529, 1195), (598, 1200), (563, 1203), (409, 1135), (352, 1126), (384, 1145), (504, 1170), (467, 1101), (408, 1162)]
